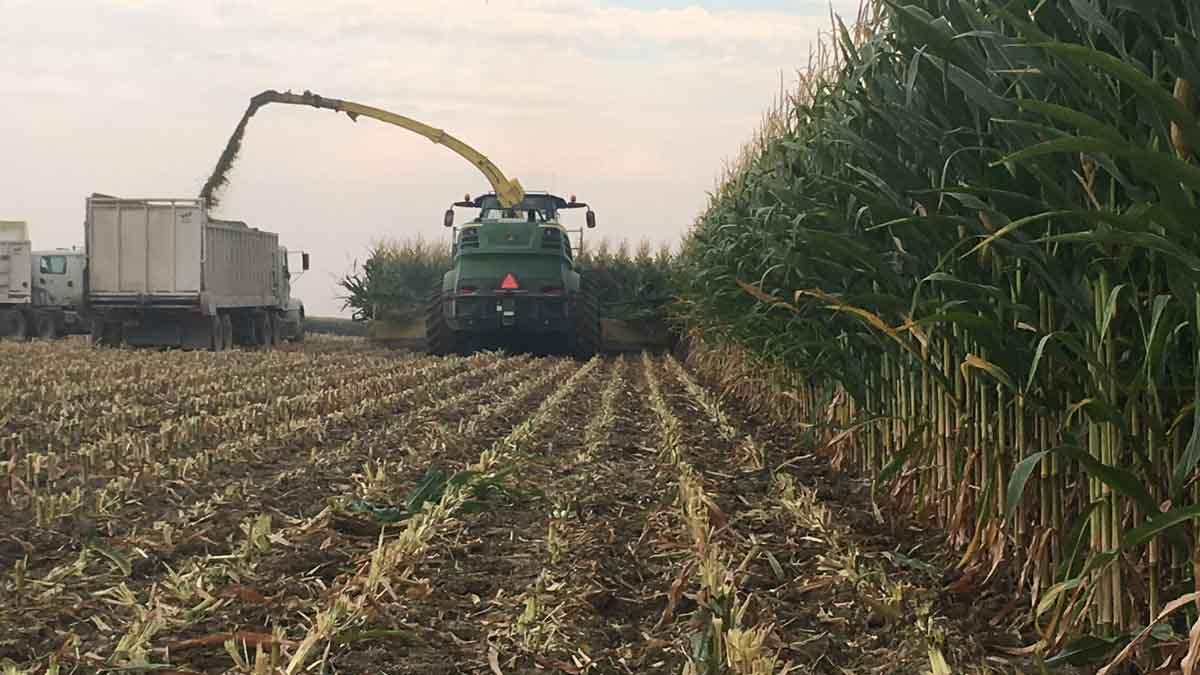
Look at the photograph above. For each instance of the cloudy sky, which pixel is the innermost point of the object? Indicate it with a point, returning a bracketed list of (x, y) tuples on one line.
[(633, 105)]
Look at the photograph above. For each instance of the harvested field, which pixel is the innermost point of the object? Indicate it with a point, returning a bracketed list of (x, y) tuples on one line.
[(333, 507)]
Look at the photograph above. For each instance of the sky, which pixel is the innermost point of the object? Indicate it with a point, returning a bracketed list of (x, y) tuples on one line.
[(632, 105)]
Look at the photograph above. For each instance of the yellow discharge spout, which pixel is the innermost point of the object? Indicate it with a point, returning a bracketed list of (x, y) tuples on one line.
[(509, 191)]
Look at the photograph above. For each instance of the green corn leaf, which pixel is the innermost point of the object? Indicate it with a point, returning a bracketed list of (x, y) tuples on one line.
[(1090, 126), (1016, 483), (1145, 86), (1144, 240), (1051, 595), (1089, 12), (1120, 480), (1157, 337), (1157, 525), (1086, 650), (990, 368), (1097, 410), (1037, 359), (1076, 540), (1110, 310), (1157, 166), (896, 464)]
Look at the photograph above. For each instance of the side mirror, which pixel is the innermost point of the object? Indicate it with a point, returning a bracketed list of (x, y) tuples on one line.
[(304, 261), (591, 218), (448, 221)]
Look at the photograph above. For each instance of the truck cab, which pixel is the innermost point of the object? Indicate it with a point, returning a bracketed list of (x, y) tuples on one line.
[(58, 278), (293, 320)]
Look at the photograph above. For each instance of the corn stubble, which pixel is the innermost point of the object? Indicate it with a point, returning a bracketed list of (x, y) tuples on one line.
[(965, 248)]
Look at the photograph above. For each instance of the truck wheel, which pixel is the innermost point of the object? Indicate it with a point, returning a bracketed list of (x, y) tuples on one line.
[(13, 324), (216, 334), (262, 325), (258, 330), (105, 333), (439, 339), (46, 325), (587, 322), (114, 334), (243, 330), (276, 330), (227, 331)]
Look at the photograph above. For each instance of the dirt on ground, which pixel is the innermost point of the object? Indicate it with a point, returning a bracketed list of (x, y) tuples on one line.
[(337, 507)]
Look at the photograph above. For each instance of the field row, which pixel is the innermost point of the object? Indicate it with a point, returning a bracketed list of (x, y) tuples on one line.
[(446, 515)]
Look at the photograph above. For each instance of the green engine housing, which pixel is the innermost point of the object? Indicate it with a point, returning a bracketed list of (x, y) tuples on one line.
[(514, 282)]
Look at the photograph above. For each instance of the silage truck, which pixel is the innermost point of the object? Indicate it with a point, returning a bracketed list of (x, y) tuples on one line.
[(164, 272), (40, 291)]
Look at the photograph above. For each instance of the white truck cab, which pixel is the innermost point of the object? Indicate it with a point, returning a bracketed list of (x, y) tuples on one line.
[(40, 291), (58, 278)]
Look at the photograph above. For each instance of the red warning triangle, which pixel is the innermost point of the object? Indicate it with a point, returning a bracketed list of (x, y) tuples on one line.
[(509, 283)]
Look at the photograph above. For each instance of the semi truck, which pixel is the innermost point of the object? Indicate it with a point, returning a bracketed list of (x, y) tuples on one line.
[(164, 272), (41, 292)]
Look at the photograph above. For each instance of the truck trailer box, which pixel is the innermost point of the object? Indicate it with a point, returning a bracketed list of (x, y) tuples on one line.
[(15, 263), (168, 253)]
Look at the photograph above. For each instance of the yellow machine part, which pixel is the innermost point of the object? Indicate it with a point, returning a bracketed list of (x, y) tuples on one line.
[(509, 191)]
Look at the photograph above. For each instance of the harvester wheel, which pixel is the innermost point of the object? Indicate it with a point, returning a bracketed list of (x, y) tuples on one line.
[(586, 340), (439, 339), (227, 330)]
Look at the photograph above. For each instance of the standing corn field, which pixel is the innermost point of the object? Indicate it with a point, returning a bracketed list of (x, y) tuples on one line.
[(971, 240)]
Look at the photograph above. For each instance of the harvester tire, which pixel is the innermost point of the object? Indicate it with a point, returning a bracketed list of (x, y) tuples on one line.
[(587, 322), (227, 331), (439, 339)]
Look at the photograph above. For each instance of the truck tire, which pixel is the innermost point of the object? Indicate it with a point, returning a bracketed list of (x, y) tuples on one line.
[(262, 327), (105, 333), (47, 325), (243, 330), (277, 325), (216, 334), (265, 329), (586, 339), (439, 339), (227, 330), (13, 325)]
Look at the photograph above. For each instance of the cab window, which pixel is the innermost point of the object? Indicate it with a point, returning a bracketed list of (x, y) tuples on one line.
[(53, 264)]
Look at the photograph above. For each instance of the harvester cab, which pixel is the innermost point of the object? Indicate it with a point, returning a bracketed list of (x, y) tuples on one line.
[(514, 281)]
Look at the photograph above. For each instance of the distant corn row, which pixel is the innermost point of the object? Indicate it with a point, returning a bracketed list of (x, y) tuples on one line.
[(971, 238), (632, 282)]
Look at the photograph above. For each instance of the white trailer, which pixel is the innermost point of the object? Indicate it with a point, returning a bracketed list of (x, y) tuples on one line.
[(40, 291), (161, 272)]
